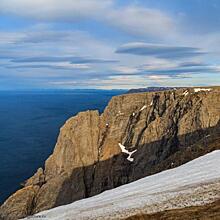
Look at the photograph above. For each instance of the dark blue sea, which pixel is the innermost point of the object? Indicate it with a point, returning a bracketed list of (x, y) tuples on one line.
[(29, 126)]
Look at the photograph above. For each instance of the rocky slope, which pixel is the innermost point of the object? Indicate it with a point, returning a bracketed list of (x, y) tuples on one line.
[(202, 212), (166, 128)]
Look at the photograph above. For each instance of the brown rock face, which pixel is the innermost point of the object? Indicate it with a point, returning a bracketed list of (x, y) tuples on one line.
[(167, 128), (20, 204)]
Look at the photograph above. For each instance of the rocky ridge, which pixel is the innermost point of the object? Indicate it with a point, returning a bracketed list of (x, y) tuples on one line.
[(153, 89), (87, 159)]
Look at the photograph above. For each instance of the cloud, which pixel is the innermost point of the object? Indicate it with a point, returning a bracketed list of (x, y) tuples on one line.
[(167, 68), (5, 56), (57, 66), (165, 77), (131, 18), (68, 50), (43, 36), (65, 10), (191, 64), (177, 71), (159, 51), (45, 42), (126, 70), (39, 34), (71, 40), (54, 59), (141, 21)]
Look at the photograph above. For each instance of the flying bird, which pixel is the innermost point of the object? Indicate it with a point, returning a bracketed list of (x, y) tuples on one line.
[(123, 149)]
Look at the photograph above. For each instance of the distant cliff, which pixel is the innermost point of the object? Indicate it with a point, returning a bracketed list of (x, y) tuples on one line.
[(166, 128), (153, 89)]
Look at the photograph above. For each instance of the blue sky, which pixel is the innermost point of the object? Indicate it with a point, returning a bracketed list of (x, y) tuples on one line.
[(109, 44)]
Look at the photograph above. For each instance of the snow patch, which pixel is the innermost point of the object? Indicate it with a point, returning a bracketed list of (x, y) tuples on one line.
[(202, 90), (186, 93), (143, 108)]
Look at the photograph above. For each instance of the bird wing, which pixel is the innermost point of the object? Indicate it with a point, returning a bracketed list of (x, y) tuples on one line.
[(123, 148), (132, 152)]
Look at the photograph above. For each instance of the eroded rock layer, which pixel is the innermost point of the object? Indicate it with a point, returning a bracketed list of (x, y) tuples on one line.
[(166, 128)]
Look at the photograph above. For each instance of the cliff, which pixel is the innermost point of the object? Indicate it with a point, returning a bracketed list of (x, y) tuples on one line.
[(166, 128), (153, 89)]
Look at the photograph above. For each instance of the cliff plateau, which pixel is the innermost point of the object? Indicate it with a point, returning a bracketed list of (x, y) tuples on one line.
[(167, 129)]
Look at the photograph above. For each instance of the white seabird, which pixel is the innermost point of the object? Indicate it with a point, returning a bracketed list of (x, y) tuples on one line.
[(123, 149)]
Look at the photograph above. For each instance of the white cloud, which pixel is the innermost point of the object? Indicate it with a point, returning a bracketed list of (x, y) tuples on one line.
[(9, 37), (142, 21), (158, 64), (133, 19), (66, 10), (58, 65), (159, 78), (44, 39), (126, 69), (48, 42)]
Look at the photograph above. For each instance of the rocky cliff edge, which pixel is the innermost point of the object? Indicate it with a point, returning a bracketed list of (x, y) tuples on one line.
[(163, 129)]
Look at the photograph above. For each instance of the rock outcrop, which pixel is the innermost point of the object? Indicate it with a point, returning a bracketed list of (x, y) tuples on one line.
[(87, 159)]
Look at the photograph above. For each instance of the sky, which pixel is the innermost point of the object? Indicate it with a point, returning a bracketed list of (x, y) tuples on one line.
[(109, 44)]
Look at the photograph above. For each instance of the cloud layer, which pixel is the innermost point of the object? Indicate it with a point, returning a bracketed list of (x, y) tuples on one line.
[(107, 44), (159, 51), (133, 19), (55, 59)]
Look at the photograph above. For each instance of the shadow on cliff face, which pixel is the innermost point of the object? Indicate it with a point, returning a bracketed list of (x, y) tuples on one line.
[(88, 181), (149, 159)]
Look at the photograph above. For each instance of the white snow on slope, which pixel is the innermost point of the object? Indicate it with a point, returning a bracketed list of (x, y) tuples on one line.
[(194, 183), (186, 93), (200, 90)]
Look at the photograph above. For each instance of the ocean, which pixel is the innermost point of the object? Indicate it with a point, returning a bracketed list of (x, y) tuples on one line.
[(30, 123)]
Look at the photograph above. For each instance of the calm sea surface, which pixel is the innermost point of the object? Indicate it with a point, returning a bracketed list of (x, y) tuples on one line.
[(29, 126)]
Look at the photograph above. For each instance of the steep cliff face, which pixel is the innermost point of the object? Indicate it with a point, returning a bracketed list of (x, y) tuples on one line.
[(87, 158)]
